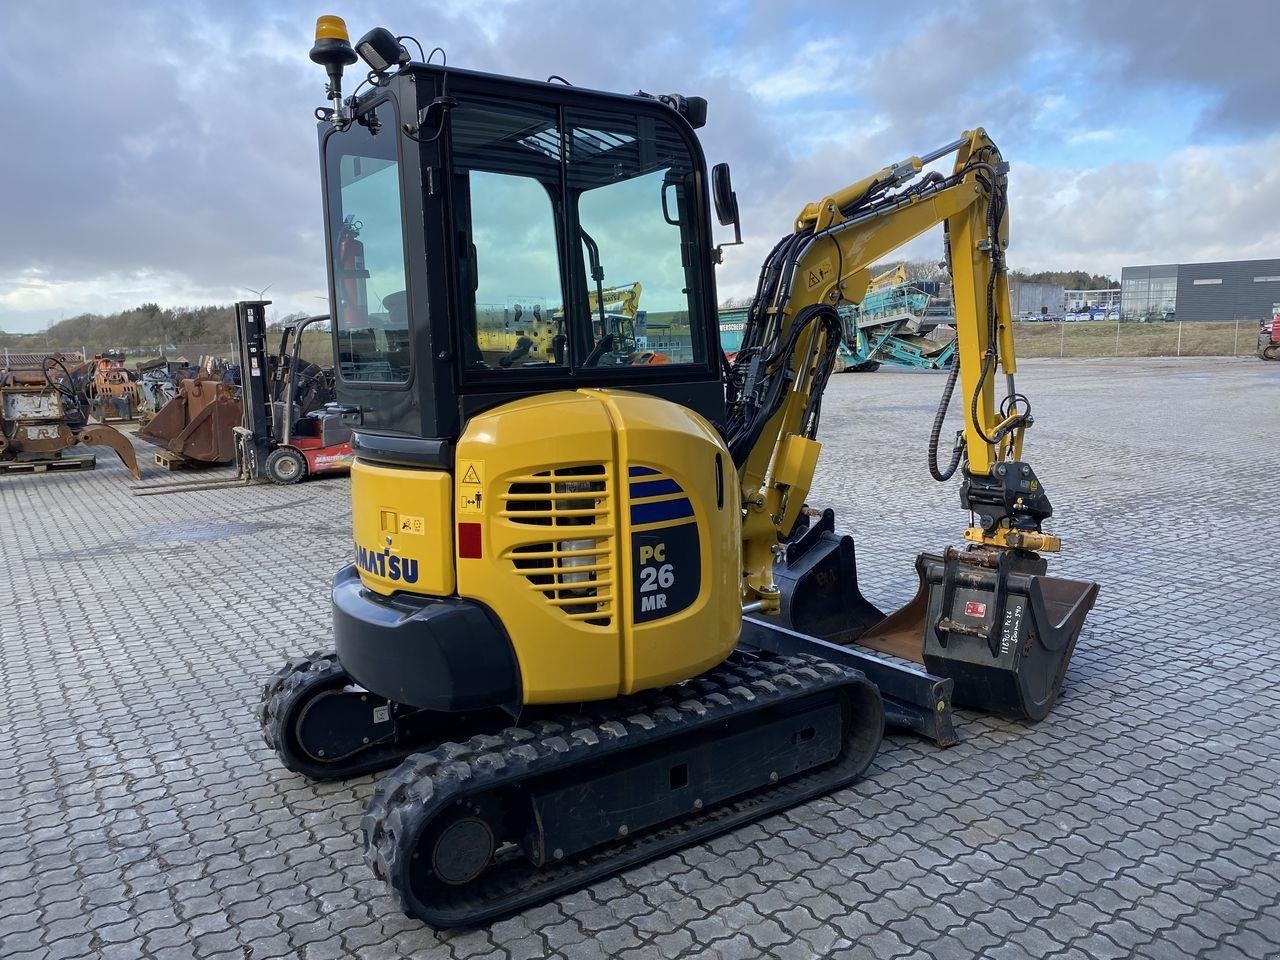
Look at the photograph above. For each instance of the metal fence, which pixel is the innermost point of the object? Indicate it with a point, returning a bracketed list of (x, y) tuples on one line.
[(1122, 338), (141, 352), (1034, 339)]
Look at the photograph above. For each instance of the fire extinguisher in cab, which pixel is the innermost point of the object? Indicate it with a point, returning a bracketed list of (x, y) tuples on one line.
[(353, 306)]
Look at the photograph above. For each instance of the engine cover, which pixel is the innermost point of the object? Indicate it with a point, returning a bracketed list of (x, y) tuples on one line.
[(603, 529)]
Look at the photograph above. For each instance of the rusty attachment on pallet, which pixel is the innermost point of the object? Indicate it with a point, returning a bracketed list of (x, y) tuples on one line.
[(198, 423)]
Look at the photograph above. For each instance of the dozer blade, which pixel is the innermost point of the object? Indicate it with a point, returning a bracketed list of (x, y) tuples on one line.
[(100, 435), (993, 622)]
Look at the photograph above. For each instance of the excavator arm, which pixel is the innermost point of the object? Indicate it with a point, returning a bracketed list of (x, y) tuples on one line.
[(622, 299), (793, 331), (988, 617)]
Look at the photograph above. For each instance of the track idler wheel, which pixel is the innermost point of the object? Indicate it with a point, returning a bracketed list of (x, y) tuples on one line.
[(323, 725), (461, 850)]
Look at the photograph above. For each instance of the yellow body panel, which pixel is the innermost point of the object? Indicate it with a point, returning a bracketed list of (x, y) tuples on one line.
[(404, 517), (682, 447), (563, 655), (560, 559)]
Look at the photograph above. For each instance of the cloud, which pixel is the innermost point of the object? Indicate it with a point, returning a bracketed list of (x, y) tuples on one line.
[(1225, 50), (182, 164), (1199, 204)]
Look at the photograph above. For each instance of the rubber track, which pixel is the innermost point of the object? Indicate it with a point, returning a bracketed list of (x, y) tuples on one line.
[(289, 687), (426, 784)]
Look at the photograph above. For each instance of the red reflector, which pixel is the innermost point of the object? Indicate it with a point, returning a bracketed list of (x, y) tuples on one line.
[(973, 609), (469, 541)]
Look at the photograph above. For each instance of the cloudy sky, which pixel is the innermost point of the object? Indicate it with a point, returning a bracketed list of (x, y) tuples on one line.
[(166, 151)]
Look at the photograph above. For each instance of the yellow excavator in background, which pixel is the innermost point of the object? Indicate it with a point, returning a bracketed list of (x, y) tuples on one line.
[(617, 315), (533, 336), (591, 617), (624, 300), (892, 277)]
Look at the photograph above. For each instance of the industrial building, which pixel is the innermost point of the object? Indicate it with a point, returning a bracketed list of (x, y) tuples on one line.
[(1102, 301), (1030, 299), (1229, 290)]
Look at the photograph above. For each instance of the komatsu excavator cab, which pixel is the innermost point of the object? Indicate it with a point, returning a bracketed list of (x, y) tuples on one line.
[(548, 491), (463, 209)]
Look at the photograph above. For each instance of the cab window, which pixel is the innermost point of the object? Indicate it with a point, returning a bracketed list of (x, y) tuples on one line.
[(367, 246), (576, 239), (506, 178), (632, 179)]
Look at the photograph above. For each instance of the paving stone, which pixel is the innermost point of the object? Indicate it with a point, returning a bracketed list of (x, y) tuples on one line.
[(141, 816)]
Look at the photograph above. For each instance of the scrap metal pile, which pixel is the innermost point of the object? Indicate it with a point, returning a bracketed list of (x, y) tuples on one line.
[(45, 406)]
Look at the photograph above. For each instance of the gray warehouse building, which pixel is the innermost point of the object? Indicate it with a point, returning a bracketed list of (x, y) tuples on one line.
[(1230, 290), (1028, 299)]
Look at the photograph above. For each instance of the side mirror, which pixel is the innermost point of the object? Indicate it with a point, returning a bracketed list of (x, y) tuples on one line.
[(726, 203), (726, 200)]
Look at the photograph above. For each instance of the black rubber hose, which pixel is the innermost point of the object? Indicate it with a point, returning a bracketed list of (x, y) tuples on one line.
[(934, 434)]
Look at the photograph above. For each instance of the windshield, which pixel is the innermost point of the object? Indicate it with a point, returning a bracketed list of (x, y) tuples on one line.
[(577, 239), (367, 235)]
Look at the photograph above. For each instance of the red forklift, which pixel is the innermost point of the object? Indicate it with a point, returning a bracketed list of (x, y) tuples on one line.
[(276, 440), (1269, 336)]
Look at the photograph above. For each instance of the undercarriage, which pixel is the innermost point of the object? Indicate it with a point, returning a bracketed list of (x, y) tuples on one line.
[(468, 830)]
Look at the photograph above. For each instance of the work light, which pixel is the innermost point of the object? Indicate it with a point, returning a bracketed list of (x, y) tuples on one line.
[(380, 49)]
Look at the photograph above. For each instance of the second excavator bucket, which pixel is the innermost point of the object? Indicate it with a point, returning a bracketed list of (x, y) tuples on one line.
[(993, 622), (199, 423)]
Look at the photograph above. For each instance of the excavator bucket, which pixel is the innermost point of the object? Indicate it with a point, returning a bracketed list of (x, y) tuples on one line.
[(101, 435), (994, 623), (199, 423)]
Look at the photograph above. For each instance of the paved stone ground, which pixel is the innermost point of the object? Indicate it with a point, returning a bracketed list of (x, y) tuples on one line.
[(142, 817)]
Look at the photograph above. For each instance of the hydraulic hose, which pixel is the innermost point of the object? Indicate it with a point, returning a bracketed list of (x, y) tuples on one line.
[(936, 432)]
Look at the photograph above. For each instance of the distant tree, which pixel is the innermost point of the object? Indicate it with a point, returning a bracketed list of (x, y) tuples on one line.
[(1070, 279), (916, 269), (144, 326)]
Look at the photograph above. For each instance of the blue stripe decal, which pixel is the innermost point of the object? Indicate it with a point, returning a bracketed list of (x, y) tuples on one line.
[(654, 488), (641, 471), (658, 512)]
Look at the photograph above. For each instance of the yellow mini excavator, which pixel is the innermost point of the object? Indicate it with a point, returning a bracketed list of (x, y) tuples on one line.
[(591, 618)]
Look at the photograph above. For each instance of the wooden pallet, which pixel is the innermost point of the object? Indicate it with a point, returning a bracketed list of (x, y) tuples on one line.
[(42, 466), (171, 461)]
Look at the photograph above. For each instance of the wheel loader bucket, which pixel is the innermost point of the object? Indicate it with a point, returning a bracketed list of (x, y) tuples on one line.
[(994, 623), (198, 423), (101, 435)]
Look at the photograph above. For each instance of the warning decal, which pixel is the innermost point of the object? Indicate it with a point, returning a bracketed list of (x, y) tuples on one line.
[(470, 485), (820, 273)]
